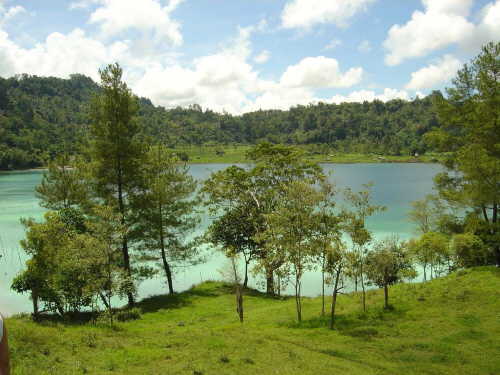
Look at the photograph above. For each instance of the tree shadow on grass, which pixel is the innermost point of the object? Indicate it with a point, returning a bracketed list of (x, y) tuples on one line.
[(206, 289), (357, 324)]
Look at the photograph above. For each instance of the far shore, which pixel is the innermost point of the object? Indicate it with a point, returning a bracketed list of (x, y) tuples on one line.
[(228, 160)]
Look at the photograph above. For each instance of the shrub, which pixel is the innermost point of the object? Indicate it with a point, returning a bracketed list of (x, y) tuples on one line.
[(183, 156), (130, 314)]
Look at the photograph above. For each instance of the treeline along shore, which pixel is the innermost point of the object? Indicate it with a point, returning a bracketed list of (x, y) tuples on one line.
[(43, 117)]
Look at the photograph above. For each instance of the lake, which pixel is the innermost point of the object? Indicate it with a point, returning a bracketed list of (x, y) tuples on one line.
[(395, 186)]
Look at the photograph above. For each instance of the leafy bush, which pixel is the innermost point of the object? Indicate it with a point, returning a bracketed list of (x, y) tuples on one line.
[(183, 156), (130, 314)]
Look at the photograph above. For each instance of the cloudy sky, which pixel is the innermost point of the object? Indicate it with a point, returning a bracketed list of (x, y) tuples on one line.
[(243, 55)]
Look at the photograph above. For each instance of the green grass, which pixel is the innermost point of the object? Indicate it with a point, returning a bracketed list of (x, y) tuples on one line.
[(447, 326), (236, 154)]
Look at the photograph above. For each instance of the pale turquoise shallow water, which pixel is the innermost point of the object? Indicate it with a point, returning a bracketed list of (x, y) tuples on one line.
[(395, 186)]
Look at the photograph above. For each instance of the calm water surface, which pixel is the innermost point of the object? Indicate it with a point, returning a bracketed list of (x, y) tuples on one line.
[(395, 186)]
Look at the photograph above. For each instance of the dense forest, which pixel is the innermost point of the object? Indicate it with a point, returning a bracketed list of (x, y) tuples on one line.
[(42, 116)]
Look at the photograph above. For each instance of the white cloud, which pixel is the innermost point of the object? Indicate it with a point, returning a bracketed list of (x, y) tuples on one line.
[(306, 13), (60, 55), (333, 44), (487, 30), (365, 46), (320, 72), (442, 23), (222, 81), (148, 16), (262, 57), (434, 74), (367, 95), (82, 4), (456, 7)]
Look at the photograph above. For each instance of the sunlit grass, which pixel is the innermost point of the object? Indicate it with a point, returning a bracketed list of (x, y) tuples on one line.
[(446, 326)]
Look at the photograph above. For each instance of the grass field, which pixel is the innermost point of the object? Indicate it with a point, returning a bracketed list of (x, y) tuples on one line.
[(236, 154), (446, 326)]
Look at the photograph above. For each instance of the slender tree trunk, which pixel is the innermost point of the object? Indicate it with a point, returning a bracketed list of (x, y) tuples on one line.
[(298, 301), (238, 290), (363, 289), (485, 214), (269, 281), (334, 297), (245, 281), (168, 271), (110, 310), (279, 286), (60, 309), (126, 262), (356, 283), (323, 284), (239, 302), (494, 221), (386, 296), (104, 300), (126, 256), (425, 272), (34, 298), (166, 266)]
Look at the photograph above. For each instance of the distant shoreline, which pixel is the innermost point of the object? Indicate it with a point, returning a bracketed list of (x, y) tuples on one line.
[(216, 161)]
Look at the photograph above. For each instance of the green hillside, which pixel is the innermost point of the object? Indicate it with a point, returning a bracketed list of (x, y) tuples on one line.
[(447, 326), (41, 117)]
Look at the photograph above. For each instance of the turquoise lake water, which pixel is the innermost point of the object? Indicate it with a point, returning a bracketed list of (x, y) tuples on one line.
[(395, 186)]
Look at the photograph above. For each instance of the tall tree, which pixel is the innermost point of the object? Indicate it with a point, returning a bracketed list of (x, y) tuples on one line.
[(116, 151), (335, 264), (166, 212), (291, 228), (328, 225), (254, 193), (276, 167), (470, 129), (360, 209)]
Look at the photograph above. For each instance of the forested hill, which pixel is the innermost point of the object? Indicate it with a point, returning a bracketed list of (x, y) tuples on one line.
[(40, 117)]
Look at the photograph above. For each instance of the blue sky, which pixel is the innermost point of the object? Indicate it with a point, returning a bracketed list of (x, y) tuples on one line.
[(243, 55)]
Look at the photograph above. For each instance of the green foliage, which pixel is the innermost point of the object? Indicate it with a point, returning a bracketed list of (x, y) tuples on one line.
[(470, 251), (431, 249), (470, 128), (73, 260), (117, 152), (165, 212), (241, 198), (290, 230), (63, 184), (387, 263), (41, 118)]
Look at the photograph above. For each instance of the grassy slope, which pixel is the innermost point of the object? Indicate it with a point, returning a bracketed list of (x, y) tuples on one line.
[(236, 154), (447, 326)]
